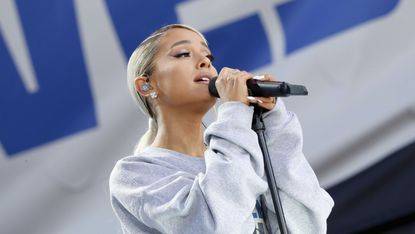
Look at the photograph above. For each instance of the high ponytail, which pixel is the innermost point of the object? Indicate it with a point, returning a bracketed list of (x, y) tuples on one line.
[(148, 137)]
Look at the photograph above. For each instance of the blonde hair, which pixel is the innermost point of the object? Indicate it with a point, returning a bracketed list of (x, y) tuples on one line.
[(141, 63)]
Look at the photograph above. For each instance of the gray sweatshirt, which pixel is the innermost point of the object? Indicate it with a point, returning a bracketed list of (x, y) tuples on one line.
[(164, 191)]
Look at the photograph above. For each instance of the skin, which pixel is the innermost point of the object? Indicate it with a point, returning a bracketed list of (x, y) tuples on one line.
[(181, 102)]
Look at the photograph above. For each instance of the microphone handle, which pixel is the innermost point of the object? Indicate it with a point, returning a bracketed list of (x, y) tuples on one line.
[(258, 88), (263, 88)]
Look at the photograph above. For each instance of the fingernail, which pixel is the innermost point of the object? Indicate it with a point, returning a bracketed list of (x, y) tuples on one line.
[(254, 99), (261, 77)]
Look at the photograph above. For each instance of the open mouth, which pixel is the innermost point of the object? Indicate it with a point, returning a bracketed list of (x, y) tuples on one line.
[(204, 80)]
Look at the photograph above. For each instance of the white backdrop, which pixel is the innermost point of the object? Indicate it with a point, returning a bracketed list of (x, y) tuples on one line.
[(361, 108)]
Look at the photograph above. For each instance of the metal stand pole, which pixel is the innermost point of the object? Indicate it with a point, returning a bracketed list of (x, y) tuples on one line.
[(259, 127)]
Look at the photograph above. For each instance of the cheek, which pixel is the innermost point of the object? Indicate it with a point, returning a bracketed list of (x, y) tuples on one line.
[(172, 80)]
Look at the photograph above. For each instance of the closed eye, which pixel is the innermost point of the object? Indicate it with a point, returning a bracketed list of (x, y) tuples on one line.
[(187, 54), (181, 55), (210, 57)]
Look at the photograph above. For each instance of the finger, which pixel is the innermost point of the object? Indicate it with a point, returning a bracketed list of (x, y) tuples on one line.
[(226, 71), (265, 77), (254, 100), (244, 75), (267, 102), (232, 72), (269, 77), (266, 99), (268, 106), (259, 77)]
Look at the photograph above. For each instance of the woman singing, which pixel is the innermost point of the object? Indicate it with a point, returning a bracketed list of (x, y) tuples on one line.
[(184, 179)]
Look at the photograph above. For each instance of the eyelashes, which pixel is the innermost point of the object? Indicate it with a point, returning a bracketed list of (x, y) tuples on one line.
[(181, 55), (187, 54), (210, 57)]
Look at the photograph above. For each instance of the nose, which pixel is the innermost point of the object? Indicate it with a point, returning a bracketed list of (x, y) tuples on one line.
[(204, 62)]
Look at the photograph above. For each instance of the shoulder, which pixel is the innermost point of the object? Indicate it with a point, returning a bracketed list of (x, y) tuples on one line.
[(127, 170), (151, 165)]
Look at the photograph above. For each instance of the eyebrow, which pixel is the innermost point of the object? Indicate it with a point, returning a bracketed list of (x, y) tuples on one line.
[(187, 42)]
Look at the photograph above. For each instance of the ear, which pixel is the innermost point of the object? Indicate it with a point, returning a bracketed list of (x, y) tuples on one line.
[(140, 86)]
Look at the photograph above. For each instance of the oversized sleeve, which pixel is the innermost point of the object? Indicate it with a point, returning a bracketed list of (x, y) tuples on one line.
[(219, 200), (306, 205)]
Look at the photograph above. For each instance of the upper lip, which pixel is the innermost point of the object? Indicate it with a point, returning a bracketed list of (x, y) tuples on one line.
[(203, 74)]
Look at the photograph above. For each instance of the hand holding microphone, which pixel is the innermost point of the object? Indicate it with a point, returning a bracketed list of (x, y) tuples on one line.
[(235, 85), (231, 85)]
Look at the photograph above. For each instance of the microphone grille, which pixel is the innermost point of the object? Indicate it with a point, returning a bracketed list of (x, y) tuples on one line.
[(212, 87)]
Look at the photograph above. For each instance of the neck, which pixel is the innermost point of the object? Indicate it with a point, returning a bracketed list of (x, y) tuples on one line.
[(181, 132)]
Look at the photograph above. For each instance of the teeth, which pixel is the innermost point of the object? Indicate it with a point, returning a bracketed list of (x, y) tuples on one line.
[(205, 79)]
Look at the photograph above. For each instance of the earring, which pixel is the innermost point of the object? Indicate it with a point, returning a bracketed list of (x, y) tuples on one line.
[(153, 95), (146, 87)]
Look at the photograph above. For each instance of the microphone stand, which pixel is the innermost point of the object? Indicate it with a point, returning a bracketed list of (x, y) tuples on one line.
[(267, 89), (259, 127)]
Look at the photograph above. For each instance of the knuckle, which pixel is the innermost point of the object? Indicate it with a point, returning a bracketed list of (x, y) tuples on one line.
[(224, 70), (269, 77)]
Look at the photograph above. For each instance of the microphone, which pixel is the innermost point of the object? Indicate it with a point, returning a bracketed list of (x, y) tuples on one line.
[(265, 88)]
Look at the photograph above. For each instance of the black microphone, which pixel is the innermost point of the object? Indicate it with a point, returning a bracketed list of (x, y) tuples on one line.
[(265, 88)]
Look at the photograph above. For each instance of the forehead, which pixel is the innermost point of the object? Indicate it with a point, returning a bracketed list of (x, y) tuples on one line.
[(175, 35)]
